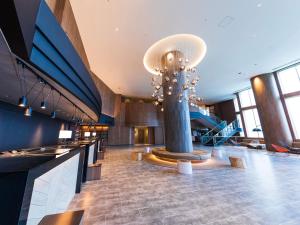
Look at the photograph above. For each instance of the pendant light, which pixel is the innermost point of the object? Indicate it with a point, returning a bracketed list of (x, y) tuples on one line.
[(53, 113), (23, 99), (43, 104), (28, 111)]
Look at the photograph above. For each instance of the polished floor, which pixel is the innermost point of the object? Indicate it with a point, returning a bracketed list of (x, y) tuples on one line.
[(131, 192)]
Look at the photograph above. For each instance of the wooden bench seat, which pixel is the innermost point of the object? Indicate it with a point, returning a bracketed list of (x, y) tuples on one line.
[(66, 218), (94, 172)]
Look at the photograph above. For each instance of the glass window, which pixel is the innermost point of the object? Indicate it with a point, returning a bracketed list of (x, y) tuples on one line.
[(252, 122), (247, 98), (238, 116), (289, 80), (236, 105), (293, 107)]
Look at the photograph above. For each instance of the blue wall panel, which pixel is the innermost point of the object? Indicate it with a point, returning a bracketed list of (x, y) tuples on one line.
[(19, 131), (53, 53)]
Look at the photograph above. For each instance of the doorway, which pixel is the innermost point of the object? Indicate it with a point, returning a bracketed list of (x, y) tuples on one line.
[(143, 135)]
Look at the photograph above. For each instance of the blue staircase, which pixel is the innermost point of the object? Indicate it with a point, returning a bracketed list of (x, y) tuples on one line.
[(208, 121), (219, 132), (226, 133), (206, 138)]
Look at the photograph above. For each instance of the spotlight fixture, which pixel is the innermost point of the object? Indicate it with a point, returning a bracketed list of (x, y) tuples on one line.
[(23, 101), (53, 115), (44, 102), (28, 111), (43, 105)]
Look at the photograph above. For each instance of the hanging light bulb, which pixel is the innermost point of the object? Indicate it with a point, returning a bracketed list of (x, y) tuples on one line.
[(174, 80), (157, 87), (182, 67), (23, 101), (186, 60), (169, 93), (170, 87), (156, 103), (180, 59), (167, 78), (180, 100), (162, 109), (28, 111), (185, 87)]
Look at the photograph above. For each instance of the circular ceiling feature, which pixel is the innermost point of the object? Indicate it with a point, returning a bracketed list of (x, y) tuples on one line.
[(192, 47)]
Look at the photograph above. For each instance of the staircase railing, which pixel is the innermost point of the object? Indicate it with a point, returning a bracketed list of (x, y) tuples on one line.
[(210, 134), (226, 133)]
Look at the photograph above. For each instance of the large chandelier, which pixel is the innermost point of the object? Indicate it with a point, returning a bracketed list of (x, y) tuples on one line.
[(173, 63)]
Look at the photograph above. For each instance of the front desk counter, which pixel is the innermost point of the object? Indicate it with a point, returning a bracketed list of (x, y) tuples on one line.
[(38, 182), (91, 153)]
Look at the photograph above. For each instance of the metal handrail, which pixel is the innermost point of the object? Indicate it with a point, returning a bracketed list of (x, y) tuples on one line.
[(226, 132), (209, 135)]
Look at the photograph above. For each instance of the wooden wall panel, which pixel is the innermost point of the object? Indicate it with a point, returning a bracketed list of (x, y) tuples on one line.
[(225, 111), (159, 136), (141, 114), (108, 97)]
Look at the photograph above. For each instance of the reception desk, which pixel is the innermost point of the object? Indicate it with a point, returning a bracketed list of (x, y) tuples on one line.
[(39, 182)]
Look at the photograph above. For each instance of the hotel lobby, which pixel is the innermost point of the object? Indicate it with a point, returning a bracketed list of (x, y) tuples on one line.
[(153, 112)]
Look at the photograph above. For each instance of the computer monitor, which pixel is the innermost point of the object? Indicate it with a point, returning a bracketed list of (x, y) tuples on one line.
[(87, 134), (65, 134)]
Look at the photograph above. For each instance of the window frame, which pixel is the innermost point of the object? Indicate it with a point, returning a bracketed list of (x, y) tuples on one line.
[(246, 135), (283, 102)]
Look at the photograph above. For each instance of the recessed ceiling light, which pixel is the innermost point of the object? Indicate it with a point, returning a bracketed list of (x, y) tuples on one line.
[(117, 29), (259, 5)]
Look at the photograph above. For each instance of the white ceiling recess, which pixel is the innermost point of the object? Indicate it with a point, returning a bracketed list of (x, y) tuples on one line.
[(247, 36)]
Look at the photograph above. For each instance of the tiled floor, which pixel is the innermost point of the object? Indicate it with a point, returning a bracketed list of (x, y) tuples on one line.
[(130, 192)]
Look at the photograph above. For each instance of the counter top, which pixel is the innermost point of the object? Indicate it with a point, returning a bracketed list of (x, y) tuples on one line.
[(22, 159)]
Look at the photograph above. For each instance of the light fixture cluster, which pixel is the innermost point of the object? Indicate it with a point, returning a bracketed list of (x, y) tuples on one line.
[(170, 80), (26, 103)]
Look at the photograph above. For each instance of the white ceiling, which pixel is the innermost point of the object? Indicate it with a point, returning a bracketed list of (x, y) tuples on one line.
[(247, 36)]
